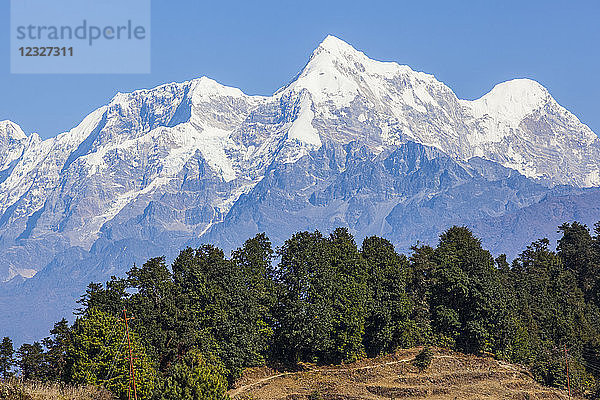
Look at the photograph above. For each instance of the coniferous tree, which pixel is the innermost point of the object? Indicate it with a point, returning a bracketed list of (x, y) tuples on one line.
[(349, 303), (254, 262), (328, 302), (578, 253), (303, 321), (7, 360), (421, 267), (57, 345), (155, 305), (98, 355), (388, 324), (321, 311), (196, 376), (466, 297), (226, 302), (31, 361), (553, 313), (110, 298)]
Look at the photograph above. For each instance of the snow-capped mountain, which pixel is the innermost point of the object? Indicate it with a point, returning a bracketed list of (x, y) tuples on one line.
[(12, 142), (351, 141), (517, 124)]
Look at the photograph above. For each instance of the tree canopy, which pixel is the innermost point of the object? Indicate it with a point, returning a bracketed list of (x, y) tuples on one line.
[(321, 298)]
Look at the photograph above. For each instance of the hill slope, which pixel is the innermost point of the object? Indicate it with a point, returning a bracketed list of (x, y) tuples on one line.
[(450, 376)]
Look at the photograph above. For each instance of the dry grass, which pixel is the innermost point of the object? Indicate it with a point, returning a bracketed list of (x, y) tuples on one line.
[(16, 389), (451, 376)]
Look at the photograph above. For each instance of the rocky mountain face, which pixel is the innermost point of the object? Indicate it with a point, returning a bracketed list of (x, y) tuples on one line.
[(370, 145)]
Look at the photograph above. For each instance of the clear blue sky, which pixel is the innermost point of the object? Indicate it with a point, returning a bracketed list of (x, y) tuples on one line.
[(259, 46)]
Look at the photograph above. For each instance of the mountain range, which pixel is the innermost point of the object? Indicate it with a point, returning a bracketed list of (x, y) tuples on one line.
[(350, 141)]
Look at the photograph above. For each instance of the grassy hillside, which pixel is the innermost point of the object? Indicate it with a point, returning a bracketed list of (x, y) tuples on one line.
[(16, 389), (451, 375)]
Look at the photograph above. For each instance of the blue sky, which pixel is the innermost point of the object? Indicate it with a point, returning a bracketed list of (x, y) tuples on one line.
[(259, 46)]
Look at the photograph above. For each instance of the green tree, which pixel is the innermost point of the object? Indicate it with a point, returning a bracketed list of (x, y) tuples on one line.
[(98, 355), (195, 377), (31, 361), (596, 246), (302, 322), (7, 360), (56, 345), (225, 303), (110, 298), (253, 261), (552, 312), (328, 302), (418, 287), (321, 310), (578, 253), (191, 275), (466, 293), (423, 360), (156, 308), (388, 324), (350, 296)]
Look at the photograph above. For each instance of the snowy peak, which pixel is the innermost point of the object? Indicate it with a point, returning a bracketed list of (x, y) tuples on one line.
[(336, 52), (337, 73), (518, 123), (512, 101), (336, 48), (341, 95), (11, 131), (12, 144), (202, 88), (205, 88), (328, 74)]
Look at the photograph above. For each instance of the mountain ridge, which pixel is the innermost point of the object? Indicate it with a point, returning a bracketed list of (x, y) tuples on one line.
[(351, 141)]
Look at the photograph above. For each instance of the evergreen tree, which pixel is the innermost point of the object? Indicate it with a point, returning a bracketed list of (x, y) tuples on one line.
[(31, 361), (595, 297), (98, 355), (7, 360), (328, 302), (321, 310), (254, 262), (303, 322), (466, 295), (578, 253), (226, 302), (155, 305), (388, 323), (552, 313), (195, 377), (56, 345), (420, 271), (350, 296), (110, 299)]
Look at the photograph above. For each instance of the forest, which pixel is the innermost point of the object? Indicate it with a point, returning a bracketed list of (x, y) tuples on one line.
[(323, 299)]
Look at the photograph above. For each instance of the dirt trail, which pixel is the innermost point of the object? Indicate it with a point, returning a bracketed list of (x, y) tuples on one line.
[(235, 392), (450, 376)]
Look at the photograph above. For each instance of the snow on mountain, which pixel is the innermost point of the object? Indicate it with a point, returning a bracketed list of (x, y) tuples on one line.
[(517, 124), (521, 126), (12, 143), (11, 131), (139, 145), (341, 87), (511, 101), (351, 141)]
